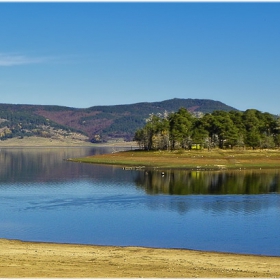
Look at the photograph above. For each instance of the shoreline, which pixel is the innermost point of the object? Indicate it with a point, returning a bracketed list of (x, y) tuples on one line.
[(40, 142), (203, 160), (51, 260)]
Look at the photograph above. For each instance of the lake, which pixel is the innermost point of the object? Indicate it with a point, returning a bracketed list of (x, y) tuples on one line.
[(45, 198)]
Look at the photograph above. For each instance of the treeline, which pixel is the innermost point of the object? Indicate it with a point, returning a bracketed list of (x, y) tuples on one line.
[(182, 130)]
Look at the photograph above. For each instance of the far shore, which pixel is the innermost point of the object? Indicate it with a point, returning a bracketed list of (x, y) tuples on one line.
[(63, 142), (216, 159), (52, 260)]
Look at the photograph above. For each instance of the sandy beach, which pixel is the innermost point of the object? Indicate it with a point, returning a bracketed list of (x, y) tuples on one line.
[(48, 260)]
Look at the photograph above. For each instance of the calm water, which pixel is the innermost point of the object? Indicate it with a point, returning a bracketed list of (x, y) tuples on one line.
[(44, 198)]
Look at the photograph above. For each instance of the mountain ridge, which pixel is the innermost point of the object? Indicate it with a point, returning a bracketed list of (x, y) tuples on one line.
[(98, 123)]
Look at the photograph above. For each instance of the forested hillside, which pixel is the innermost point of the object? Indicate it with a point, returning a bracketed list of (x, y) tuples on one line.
[(22, 121), (98, 123)]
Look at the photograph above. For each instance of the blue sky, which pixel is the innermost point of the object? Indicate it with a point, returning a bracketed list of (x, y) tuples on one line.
[(86, 54)]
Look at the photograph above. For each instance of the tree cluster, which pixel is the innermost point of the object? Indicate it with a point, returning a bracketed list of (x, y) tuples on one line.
[(182, 130)]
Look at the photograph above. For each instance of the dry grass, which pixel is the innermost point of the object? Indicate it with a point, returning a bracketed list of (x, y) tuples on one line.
[(214, 159), (41, 142), (62, 142)]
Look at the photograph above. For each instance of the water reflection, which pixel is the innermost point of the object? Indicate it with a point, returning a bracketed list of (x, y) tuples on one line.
[(209, 182), (44, 198), (44, 164)]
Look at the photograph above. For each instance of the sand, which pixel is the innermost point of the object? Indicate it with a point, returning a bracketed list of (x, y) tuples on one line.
[(29, 259)]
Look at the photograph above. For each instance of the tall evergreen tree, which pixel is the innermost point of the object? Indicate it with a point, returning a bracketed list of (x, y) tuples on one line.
[(180, 128)]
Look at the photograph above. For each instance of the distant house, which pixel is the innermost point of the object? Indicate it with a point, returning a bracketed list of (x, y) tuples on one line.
[(196, 147)]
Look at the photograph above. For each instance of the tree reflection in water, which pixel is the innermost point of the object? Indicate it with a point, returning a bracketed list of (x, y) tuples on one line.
[(209, 182)]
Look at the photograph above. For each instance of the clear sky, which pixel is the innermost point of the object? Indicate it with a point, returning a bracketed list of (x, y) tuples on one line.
[(86, 54)]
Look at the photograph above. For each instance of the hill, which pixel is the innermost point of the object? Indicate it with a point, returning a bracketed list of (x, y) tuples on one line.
[(97, 123)]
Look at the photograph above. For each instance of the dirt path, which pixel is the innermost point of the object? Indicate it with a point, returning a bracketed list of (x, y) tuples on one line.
[(27, 259)]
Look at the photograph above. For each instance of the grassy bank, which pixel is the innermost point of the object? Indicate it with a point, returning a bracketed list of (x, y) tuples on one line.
[(203, 160)]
